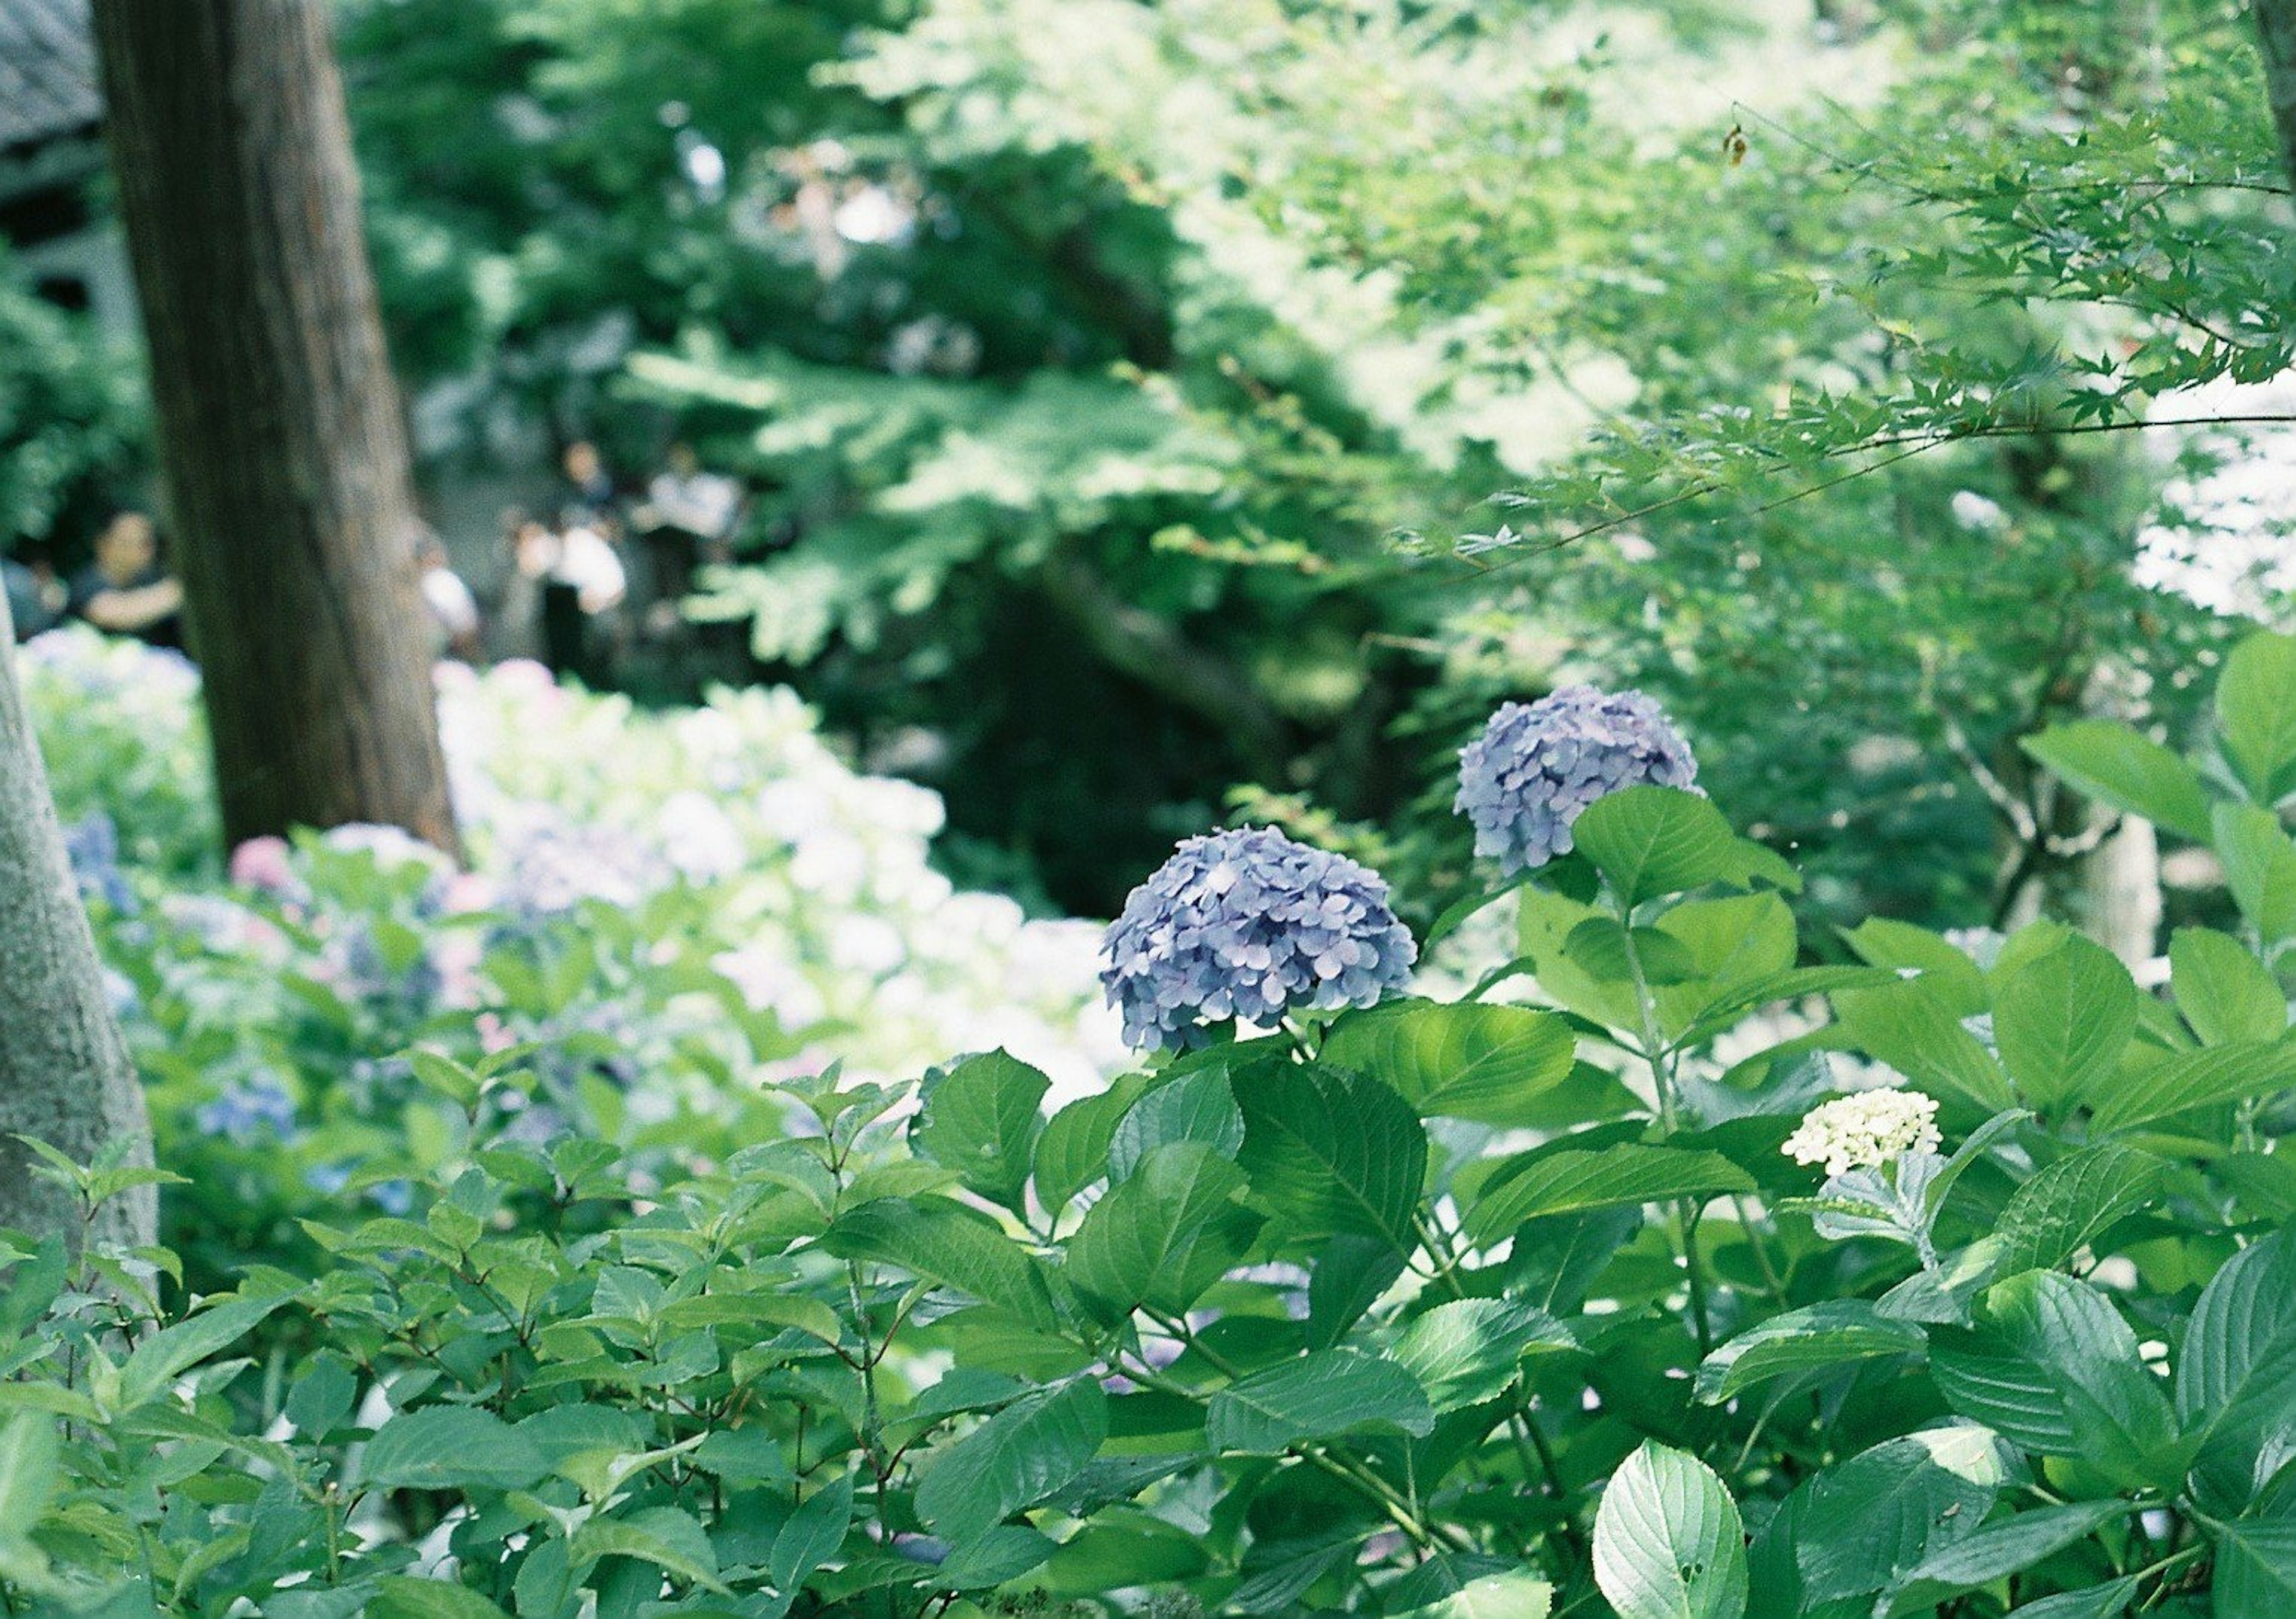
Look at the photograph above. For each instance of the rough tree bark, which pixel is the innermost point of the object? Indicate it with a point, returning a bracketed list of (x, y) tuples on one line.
[(280, 434), (64, 1074), (2275, 31)]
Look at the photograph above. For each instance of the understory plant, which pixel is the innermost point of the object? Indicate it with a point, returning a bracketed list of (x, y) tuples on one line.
[(1657, 1274)]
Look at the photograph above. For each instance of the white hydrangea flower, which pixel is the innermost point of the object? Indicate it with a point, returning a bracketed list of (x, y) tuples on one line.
[(1866, 1130)]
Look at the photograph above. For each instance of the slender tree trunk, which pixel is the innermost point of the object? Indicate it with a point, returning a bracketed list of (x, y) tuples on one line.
[(280, 433), (2276, 30), (64, 1075)]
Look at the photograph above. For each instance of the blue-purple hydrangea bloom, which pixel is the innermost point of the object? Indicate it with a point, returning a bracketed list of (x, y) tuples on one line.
[(1538, 766), (1249, 924), (246, 1110)]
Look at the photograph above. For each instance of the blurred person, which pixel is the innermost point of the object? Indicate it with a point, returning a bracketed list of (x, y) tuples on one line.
[(566, 583), (591, 485), (454, 610), (125, 589), (36, 601), (687, 519)]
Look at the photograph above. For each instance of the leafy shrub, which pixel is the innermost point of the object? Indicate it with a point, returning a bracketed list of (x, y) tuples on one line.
[(686, 900), (1663, 1298)]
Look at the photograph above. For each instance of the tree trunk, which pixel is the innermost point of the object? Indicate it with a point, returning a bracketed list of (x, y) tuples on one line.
[(285, 456), (2276, 30), (64, 1075)]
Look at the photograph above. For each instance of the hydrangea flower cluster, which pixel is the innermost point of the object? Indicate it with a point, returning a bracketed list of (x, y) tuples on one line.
[(1249, 924), (1538, 766), (247, 1110), (1865, 1129), (92, 845)]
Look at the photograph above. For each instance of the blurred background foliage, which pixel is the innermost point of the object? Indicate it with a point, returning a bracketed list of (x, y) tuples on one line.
[(1087, 356)]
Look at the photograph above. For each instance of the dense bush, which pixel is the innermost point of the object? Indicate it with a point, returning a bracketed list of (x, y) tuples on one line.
[(680, 899), (1662, 1297)]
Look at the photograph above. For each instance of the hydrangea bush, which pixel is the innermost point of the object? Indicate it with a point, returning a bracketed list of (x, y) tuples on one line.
[(1575, 1293), (691, 899)]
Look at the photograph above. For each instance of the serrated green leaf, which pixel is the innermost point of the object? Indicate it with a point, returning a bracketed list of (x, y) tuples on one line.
[(2113, 765), (1816, 1338), (1320, 1394), (1465, 1059), (1573, 1182), (978, 1117), (1021, 1455), (1667, 1540)]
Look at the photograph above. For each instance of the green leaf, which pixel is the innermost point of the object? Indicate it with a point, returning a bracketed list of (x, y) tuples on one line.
[(1574, 1181), (2064, 1204), (1164, 1234), (451, 1447), (2096, 1602), (1197, 1107), (1468, 1351), (2225, 992), (1020, 1456), (2256, 1570), (1325, 1393), (1072, 1151), (2051, 1366), (1948, 974), (980, 1119), (1999, 1549), (2063, 1021), (2256, 715), (1350, 1275), (1511, 1594), (158, 1360), (1655, 840), (2112, 764), (671, 1540), (810, 1536), (1329, 1153), (2236, 1375), (31, 1451), (2260, 865), (1911, 1027), (2185, 1080), (948, 1243), (1867, 1522), (1816, 1338), (997, 1555), (405, 1596), (1668, 1540), (1465, 1059)]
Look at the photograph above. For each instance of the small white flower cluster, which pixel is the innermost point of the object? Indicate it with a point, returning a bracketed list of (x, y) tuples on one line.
[(1865, 1129)]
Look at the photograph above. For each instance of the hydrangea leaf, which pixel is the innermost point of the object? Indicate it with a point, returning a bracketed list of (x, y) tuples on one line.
[(2066, 1203), (2187, 1080), (2114, 764), (1165, 1233), (978, 1117), (2223, 990), (1465, 1059), (2062, 1022), (1573, 1182), (1468, 1350), (2236, 1374), (2051, 1366), (1650, 841), (2256, 715), (1014, 1460), (1667, 1540), (1329, 1153), (1836, 1333), (1322, 1394)]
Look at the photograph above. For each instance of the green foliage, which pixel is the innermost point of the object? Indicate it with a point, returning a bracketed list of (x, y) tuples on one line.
[(1274, 1326), (71, 413)]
